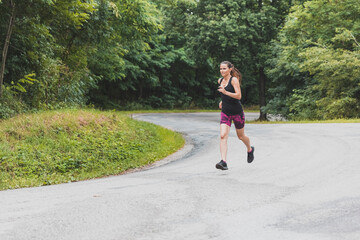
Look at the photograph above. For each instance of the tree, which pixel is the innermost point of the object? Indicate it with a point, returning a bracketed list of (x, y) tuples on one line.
[(239, 31), (11, 6), (120, 29), (39, 45), (319, 54)]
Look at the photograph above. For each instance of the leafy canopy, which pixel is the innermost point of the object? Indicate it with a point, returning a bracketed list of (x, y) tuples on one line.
[(319, 55)]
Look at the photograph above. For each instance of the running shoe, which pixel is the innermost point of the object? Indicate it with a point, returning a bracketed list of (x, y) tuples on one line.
[(222, 165), (250, 156)]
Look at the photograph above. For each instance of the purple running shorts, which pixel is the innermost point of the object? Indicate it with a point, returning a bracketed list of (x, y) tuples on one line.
[(239, 120)]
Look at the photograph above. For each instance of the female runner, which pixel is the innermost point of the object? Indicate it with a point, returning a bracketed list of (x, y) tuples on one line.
[(231, 111)]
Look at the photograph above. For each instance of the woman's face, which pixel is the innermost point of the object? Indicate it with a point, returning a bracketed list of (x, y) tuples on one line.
[(224, 70)]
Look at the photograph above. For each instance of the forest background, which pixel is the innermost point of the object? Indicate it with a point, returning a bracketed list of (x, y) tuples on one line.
[(299, 59)]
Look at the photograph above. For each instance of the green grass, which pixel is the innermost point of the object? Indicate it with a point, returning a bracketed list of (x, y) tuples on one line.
[(170, 111), (253, 108), (71, 145), (246, 109), (306, 121)]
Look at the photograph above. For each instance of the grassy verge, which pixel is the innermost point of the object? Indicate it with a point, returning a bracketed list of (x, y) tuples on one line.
[(247, 109), (72, 145), (307, 121), (171, 111)]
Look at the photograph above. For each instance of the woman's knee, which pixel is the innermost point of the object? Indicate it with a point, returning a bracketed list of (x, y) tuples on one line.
[(241, 135), (243, 138), (223, 136)]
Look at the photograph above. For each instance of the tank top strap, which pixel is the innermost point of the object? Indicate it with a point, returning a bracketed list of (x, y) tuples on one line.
[(223, 79)]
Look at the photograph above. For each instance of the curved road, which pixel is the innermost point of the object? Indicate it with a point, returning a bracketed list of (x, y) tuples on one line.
[(303, 184)]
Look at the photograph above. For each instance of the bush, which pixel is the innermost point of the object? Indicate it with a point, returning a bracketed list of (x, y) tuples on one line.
[(302, 105), (346, 107), (10, 105)]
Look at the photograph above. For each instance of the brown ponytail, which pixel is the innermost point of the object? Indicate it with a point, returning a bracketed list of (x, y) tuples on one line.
[(234, 72)]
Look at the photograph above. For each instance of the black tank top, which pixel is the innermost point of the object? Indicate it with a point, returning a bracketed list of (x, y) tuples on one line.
[(230, 106)]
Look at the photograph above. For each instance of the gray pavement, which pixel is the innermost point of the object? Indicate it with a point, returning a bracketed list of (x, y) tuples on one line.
[(303, 184)]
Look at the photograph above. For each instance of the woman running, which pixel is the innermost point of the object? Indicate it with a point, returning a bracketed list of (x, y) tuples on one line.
[(231, 111)]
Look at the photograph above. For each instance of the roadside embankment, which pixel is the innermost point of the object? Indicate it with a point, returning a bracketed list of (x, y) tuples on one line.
[(71, 145)]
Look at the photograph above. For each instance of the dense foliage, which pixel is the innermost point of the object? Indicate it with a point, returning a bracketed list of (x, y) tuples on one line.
[(298, 58), (316, 69)]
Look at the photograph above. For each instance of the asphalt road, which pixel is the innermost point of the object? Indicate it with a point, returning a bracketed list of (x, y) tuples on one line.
[(303, 184)]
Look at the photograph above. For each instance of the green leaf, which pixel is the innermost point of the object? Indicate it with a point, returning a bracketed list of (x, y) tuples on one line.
[(19, 88)]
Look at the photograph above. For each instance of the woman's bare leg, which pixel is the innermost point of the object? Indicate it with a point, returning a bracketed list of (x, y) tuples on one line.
[(224, 135), (245, 139)]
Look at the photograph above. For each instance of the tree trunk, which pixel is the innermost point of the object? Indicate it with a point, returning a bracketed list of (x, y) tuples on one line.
[(262, 99), (262, 79), (6, 45), (141, 89)]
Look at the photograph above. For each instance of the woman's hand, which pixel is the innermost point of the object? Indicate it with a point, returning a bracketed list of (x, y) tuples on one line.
[(220, 104), (222, 89), (236, 85)]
